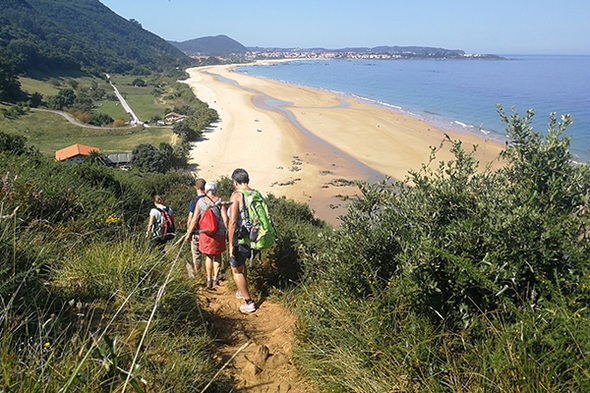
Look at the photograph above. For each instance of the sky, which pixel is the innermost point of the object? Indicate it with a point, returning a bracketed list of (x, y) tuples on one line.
[(475, 26)]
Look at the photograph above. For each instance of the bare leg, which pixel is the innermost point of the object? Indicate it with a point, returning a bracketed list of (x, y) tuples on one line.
[(216, 267), (239, 274), (194, 268), (209, 266)]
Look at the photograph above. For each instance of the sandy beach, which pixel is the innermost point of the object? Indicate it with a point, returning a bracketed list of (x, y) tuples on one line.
[(309, 144)]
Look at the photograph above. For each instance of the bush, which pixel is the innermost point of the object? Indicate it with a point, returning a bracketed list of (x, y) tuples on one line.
[(456, 273)]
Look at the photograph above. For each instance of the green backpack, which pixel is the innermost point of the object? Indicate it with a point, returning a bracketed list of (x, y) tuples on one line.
[(257, 229)]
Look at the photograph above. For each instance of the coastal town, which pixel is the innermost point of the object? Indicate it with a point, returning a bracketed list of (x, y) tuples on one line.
[(386, 53)]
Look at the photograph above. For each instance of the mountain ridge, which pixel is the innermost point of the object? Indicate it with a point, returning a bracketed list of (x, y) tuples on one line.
[(79, 35)]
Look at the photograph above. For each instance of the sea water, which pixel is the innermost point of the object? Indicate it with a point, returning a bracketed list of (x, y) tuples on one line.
[(459, 94)]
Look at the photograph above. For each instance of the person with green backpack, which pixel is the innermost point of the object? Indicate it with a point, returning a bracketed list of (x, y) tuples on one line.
[(250, 230)]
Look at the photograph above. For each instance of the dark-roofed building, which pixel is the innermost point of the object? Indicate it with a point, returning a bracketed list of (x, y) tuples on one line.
[(120, 160)]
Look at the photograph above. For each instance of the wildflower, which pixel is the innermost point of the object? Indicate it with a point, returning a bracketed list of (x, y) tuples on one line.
[(112, 219), (47, 344)]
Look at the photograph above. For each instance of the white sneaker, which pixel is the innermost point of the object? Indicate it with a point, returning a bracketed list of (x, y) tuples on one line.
[(239, 295), (247, 308)]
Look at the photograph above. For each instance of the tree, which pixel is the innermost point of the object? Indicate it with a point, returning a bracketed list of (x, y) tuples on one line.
[(14, 144), (184, 130), (138, 82), (146, 158), (9, 85), (36, 100), (94, 157), (101, 119), (64, 99)]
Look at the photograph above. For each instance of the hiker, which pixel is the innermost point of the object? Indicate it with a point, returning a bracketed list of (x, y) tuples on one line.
[(239, 251), (212, 241), (192, 233), (161, 223)]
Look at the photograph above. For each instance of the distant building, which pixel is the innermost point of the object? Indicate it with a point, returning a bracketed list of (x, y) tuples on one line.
[(75, 153), (173, 117), (120, 160)]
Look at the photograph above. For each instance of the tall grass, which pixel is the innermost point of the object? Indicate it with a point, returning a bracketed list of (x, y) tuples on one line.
[(110, 315), (85, 305)]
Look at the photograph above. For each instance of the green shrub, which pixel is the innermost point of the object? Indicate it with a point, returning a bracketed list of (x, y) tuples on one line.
[(438, 277), (298, 235)]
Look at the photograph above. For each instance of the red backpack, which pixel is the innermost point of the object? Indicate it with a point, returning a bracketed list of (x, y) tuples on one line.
[(208, 222), (167, 228)]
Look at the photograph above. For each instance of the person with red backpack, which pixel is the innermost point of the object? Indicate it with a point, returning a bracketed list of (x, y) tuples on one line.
[(212, 232), (161, 224), (192, 233)]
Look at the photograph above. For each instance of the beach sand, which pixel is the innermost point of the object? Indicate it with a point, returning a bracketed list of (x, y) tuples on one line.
[(315, 143)]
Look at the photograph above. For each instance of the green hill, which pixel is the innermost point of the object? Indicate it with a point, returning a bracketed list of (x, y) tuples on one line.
[(71, 35), (220, 45)]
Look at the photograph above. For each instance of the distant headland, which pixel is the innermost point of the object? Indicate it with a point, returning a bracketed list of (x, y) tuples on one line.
[(226, 48)]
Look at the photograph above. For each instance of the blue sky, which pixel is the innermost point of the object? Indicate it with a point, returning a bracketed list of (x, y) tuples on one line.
[(476, 26)]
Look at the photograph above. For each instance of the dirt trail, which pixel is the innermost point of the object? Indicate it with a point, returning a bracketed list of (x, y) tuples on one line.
[(265, 337)]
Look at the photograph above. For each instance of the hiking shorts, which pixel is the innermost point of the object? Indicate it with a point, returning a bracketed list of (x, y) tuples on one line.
[(242, 253), (195, 253)]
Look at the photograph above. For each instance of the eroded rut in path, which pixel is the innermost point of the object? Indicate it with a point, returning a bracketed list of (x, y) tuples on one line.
[(262, 341)]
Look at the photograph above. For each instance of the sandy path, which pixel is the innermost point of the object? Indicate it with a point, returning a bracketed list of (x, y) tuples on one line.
[(302, 149), (260, 343)]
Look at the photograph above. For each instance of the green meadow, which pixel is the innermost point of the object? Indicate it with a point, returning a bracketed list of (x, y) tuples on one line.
[(50, 131)]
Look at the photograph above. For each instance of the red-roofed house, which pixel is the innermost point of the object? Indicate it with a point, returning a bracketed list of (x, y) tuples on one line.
[(75, 153), (173, 117)]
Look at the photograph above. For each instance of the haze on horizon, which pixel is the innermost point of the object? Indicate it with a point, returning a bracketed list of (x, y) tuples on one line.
[(500, 27)]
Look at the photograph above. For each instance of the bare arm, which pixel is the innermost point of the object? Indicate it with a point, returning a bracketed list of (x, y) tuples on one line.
[(192, 223), (234, 210), (224, 216), (189, 220), (150, 224)]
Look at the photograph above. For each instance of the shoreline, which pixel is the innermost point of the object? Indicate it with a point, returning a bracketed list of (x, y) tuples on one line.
[(435, 120), (311, 145)]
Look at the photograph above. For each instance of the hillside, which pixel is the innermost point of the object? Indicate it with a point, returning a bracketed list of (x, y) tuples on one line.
[(70, 35), (220, 45)]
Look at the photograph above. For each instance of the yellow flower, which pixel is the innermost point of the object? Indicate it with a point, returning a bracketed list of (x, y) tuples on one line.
[(47, 344), (112, 219)]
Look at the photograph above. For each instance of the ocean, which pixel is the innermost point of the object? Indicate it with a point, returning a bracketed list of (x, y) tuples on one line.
[(459, 94)]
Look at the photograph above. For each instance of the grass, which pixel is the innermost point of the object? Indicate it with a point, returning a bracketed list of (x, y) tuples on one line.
[(50, 132), (144, 104), (30, 86), (111, 108), (81, 331)]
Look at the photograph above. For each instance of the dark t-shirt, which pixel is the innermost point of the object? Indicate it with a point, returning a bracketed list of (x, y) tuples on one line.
[(191, 209)]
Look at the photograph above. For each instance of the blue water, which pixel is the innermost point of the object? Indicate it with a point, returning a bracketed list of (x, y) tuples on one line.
[(459, 94)]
